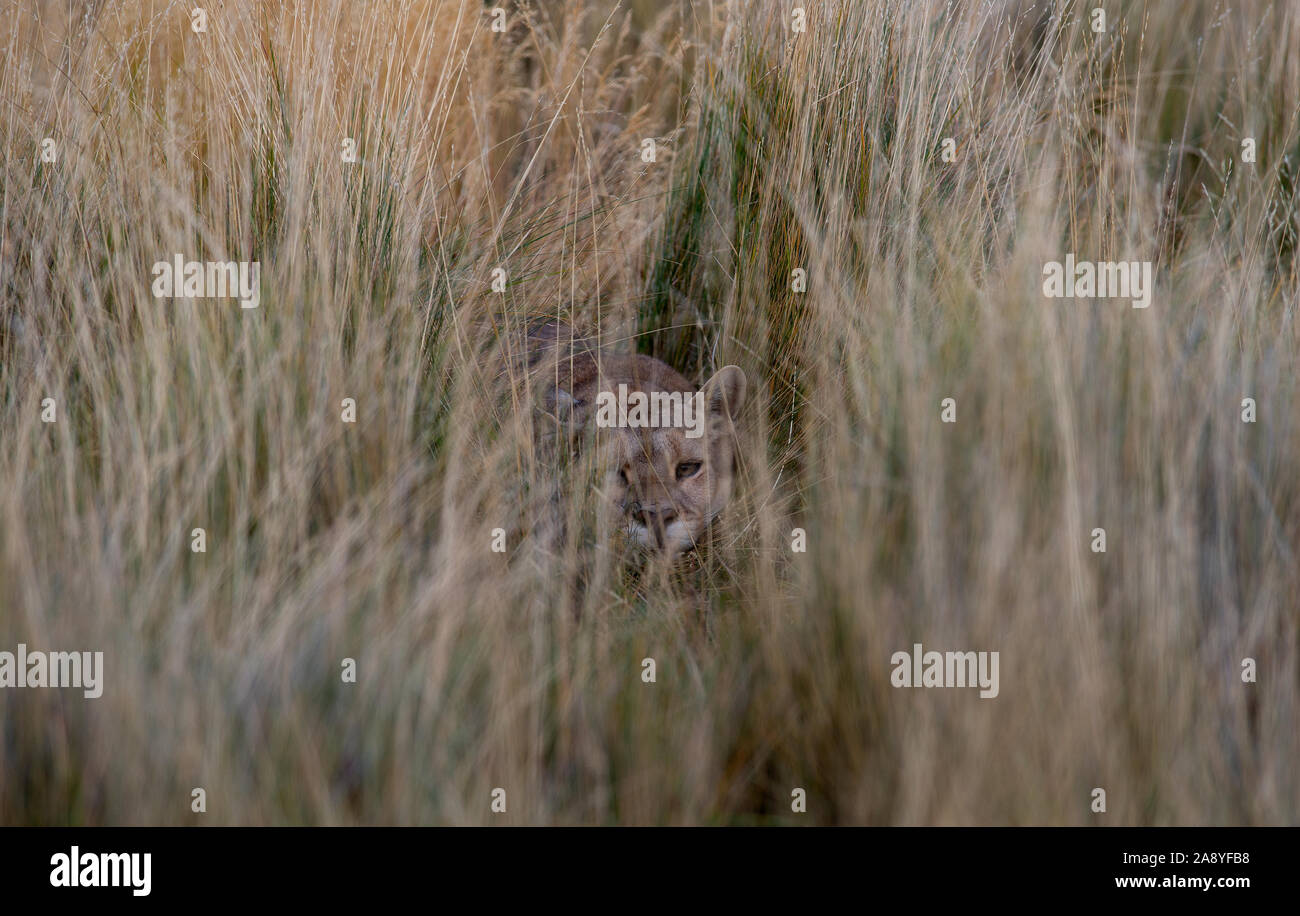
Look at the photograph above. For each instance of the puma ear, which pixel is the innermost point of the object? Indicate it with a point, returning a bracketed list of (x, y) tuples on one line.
[(725, 392), (560, 403), (546, 338)]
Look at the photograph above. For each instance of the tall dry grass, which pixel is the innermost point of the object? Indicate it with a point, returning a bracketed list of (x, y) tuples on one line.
[(523, 670)]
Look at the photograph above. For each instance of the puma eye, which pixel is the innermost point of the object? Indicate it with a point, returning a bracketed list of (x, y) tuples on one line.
[(687, 469), (622, 475)]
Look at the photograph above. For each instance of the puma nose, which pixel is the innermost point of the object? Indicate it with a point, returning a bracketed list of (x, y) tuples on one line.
[(655, 519)]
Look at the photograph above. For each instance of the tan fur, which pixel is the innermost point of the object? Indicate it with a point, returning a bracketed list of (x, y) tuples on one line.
[(665, 487)]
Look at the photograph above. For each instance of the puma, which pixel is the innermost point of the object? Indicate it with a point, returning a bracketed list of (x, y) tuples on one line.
[(666, 482)]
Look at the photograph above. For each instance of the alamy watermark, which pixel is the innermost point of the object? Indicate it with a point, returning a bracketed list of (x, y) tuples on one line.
[(53, 669), (103, 869), (181, 279), (1098, 280), (642, 409), (946, 669)]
